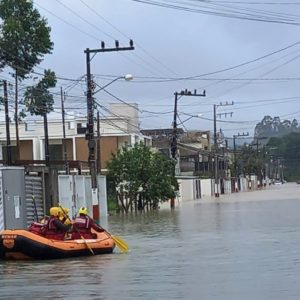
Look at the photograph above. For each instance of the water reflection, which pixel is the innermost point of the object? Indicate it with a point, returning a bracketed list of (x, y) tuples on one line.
[(231, 250)]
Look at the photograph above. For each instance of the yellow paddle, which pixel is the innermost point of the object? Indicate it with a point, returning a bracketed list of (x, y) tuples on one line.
[(123, 246)]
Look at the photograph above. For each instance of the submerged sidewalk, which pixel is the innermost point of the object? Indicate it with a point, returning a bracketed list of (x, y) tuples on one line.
[(271, 192)]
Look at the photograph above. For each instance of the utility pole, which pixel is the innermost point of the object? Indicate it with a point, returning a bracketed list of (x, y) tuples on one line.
[(216, 165), (17, 119), (257, 143), (174, 153), (47, 154), (234, 151), (62, 96), (90, 105), (8, 146), (98, 144), (174, 135)]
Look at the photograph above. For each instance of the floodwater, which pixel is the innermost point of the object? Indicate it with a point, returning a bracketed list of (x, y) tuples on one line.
[(242, 246)]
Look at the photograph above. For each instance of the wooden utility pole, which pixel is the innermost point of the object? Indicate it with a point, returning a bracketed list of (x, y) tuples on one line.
[(47, 154), (234, 151), (216, 146), (62, 96), (98, 144), (174, 153), (17, 118), (8, 145), (90, 105)]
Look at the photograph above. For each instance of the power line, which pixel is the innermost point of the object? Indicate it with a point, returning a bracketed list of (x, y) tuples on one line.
[(125, 35), (234, 15), (94, 37), (194, 77)]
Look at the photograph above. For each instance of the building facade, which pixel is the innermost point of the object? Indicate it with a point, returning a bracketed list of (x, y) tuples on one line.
[(117, 130)]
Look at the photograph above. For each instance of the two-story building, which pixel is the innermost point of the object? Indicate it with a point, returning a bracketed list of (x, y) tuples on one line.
[(119, 129)]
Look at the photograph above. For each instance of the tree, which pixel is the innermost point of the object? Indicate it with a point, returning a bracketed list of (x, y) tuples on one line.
[(142, 178), (285, 151), (24, 40), (274, 127), (294, 125), (39, 101), (252, 161)]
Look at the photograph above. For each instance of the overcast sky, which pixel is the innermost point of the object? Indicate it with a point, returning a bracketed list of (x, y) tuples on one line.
[(250, 48)]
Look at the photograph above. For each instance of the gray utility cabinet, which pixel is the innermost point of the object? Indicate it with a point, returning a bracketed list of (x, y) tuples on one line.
[(12, 198), (76, 191)]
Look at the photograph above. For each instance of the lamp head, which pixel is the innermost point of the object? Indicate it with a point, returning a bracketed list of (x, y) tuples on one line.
[(128, 77)]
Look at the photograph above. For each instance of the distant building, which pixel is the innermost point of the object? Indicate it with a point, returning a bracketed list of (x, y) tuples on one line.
[(119, 129), (161, 138), (193, 148)]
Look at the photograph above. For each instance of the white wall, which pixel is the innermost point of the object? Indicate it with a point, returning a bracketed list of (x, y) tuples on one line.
[(186, 189), (206, 188), (244, 184), (227, 187)]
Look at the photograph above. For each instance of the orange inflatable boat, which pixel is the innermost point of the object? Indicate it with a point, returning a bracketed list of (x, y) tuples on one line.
[(21, 244)]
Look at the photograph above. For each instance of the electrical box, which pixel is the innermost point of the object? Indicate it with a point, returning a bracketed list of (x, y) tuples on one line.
[(83, 193), (74, 192), (66, 193), (12, 198), (103, 210)]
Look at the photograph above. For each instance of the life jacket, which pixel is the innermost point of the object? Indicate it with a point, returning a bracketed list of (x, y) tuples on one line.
[(37, 228), (82, 228), (52, 232)]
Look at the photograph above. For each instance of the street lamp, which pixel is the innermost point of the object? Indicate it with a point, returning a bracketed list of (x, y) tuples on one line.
[(127, 77), (90, 103), (190, 117), (90, 124)]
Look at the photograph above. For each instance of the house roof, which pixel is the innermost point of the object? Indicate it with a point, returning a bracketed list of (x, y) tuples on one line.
[(161, 132)]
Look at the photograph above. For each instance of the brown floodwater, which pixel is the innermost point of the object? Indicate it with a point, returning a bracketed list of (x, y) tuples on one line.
[(243, 246)]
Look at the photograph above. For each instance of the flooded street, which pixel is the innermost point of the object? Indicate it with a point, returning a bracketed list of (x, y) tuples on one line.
[(243, 246)]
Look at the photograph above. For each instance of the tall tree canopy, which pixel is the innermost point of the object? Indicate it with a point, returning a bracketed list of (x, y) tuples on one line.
[(272, 127), (38, 99), (287, 150), (24, 40), (279, 155), (142, 178), (24, 36)]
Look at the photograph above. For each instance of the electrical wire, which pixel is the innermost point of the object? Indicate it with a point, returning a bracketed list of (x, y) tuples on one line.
[(221, 13), (125, 35)]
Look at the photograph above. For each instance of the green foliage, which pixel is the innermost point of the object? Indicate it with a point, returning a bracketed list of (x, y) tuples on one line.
[(142, 178), (24, 36), (38, 99), (274, 127), (112, 204), (24, 40), (286, 151), (250, 161)]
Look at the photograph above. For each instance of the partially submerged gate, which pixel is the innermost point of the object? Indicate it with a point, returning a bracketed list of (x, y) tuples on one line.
[(35, 204)]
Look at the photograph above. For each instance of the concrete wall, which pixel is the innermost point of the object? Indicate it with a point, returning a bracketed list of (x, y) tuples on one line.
[(108, 145), (130, 112), (186, 189), (206, 188), (243, 184), (227, 186), (26, 147), (82, 151)]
